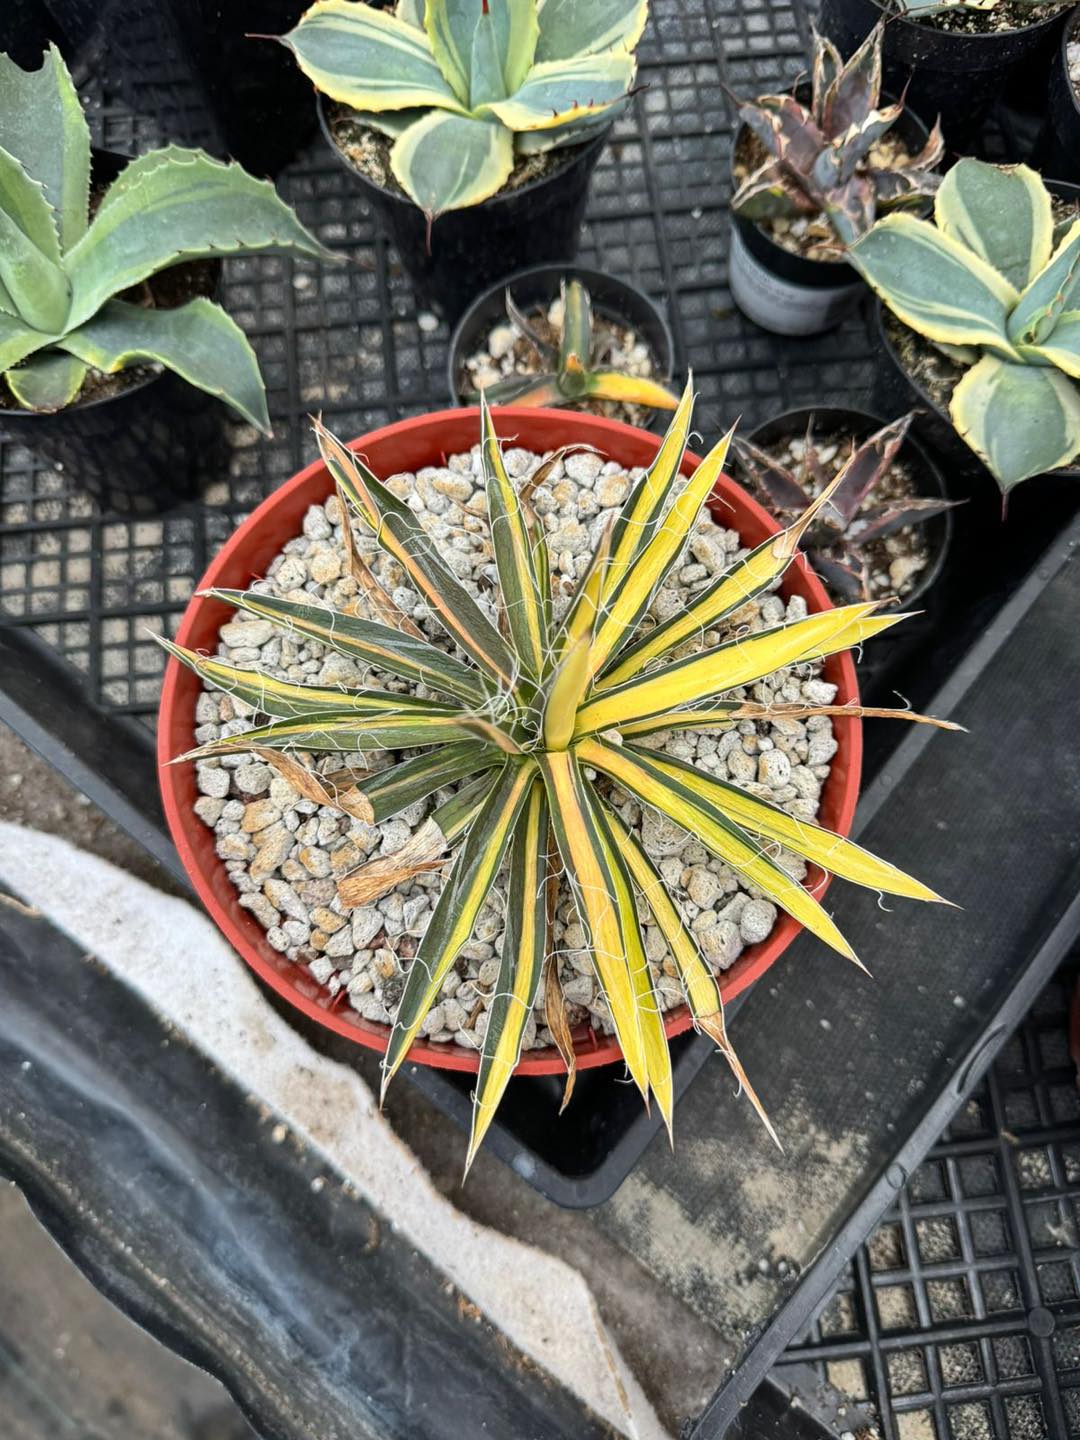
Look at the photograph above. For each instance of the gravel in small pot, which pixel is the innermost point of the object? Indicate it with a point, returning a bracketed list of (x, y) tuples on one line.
[(265, 861), (536, 217), (787, 274), (955, 64), (905, 562), (143, 439), (1058, 150), (630, 334)]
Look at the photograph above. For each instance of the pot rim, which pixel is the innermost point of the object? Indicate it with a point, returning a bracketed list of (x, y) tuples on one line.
[(501, 197), (976, 36), (917, 450), (436, 435), (590, 277)]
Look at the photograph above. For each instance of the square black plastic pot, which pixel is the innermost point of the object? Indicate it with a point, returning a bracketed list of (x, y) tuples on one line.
[(956, 75), (473, 248), (141, 450)]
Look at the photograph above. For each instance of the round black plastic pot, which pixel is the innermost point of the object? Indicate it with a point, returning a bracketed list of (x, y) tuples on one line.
[(143, 449), (613, 298), (948, 73), (1058, 150), (257, 92), (859, 425), (471, 249), (792, 294)]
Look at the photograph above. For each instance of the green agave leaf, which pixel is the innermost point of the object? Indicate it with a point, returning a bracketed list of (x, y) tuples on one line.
[(459, 904), (449, 162), (399, 786), (198, 341), (451, 27), (344, 731), (1021, 420), (680, 800), (514, 554), (524, 949), (569, 28), (486, 79), (560, 91), (389, 122), (517, 30), (411, 12), (1051, 293), (576, 340), (398, 532), (43, 126), (29, 250), (391, 650), (935, 284), (18, 340), (47, 382), (1002, 213), (369, 59), (174, 205), (1061, 348)]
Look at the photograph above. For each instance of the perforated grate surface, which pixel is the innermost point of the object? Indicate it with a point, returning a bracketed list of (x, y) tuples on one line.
[(960, 1317), (348, 341)]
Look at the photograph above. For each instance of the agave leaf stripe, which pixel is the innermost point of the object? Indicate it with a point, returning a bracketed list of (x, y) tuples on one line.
[(394, 789), (695, 813), (399, 533), (455, 912), (345, 731), (390, 650), (515, 551), (522, 962)]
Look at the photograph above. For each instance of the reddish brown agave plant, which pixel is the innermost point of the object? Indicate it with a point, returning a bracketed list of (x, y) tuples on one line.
[(845, 526), (827, 158)]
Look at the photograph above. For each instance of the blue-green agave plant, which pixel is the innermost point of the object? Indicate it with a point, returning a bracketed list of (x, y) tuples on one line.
[(61, 269)]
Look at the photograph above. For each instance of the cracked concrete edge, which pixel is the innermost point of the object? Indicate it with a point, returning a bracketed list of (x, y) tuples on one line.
[(148, 940)]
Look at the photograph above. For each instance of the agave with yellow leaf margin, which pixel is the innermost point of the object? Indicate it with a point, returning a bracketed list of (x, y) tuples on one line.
[(536, 716)]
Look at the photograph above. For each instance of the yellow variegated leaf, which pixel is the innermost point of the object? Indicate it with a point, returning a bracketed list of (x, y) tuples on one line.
[(625, 605), (642, 777), (813, 842), (557, 92), (524, 949), (345, 731), (725, 714), (629, 390), (567, 686), (455, 913), (593, 887), (738, 662)]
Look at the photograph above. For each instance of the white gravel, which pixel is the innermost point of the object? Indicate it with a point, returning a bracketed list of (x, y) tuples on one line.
[(285, 854)]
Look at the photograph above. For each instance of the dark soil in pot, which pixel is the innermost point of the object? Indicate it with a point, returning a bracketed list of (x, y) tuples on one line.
[(1058, 150), (906, 564), (535, 218), (955, 65), (776, 272), (142, 439), (629, 333)]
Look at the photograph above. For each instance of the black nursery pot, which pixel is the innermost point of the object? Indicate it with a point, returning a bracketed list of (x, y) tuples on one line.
[(140, 450), (1059, 144), (791, 294), (860, 425), (540, 285), (948, 73), (258, 93), (473, 248)]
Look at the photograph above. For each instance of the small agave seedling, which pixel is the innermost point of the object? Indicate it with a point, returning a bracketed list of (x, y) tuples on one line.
[(821, 159), (61, 270), (996, 286), (464, 87), (571, 379), (847, 524), (918, 9), (535, 716)]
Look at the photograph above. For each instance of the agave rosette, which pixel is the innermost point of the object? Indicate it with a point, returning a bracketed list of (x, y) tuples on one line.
[(535, 718)]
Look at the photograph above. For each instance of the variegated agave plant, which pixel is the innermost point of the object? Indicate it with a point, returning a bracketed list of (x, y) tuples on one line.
[(995, 285), (63, 270), (464, 87), (535, 714), (821, 157), (573, 379)]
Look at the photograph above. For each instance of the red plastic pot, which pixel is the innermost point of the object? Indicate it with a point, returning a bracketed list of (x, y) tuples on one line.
[(407, 446)]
